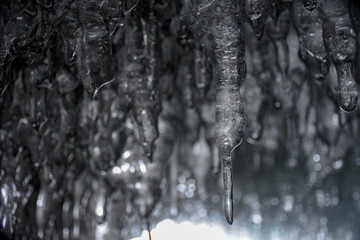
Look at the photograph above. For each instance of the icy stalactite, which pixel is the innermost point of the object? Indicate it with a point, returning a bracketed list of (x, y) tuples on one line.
[(117, 114), (143, 108), (278, 32), (93, 44), (202, 157), (257, 12), (308, 25), (277, 7), (270, 79), (339, 39), (217, 29), (69, 31), (354, 14), (202, 71), (254, 104)]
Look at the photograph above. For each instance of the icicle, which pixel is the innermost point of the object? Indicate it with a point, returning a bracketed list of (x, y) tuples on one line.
[(186, 73), (208, 117), (217, 29), (354, 13), (44, 28), (308, 25), (329, 129), (264, 61), (202, 157), (202, 76), (9, 35), (277, 7), (94, 61), (257, 12), (339, 38), (69, 30), (278, 33), (253, 104), (135, 72), (185, 77), (6, 42), (147, 125), (151, 38), (230, 118)]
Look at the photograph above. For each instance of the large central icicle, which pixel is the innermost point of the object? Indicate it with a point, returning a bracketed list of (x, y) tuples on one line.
[(218, 30)]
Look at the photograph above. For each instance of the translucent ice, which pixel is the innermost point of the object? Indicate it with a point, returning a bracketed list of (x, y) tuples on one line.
[(340, 42), (257, 12), (94, 60), (312, 51), (217, 29)]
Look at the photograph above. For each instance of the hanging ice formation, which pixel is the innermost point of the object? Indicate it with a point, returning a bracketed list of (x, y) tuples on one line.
[(106, 104)]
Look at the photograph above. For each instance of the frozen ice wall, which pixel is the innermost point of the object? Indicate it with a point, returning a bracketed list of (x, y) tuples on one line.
[(118, 114)]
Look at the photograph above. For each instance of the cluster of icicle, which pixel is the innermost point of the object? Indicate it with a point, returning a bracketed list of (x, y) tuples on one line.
[(97, 97)]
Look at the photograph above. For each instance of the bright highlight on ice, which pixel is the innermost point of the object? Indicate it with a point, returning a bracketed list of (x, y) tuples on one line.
[(168, 229)]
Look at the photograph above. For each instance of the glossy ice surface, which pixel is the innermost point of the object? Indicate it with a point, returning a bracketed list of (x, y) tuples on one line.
[(119, 115)]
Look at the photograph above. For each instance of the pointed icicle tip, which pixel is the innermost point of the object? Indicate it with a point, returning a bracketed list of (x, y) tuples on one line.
[(229, 211), (227, 172)]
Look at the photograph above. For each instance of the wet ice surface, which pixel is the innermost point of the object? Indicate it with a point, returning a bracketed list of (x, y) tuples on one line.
[(119, 115)]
